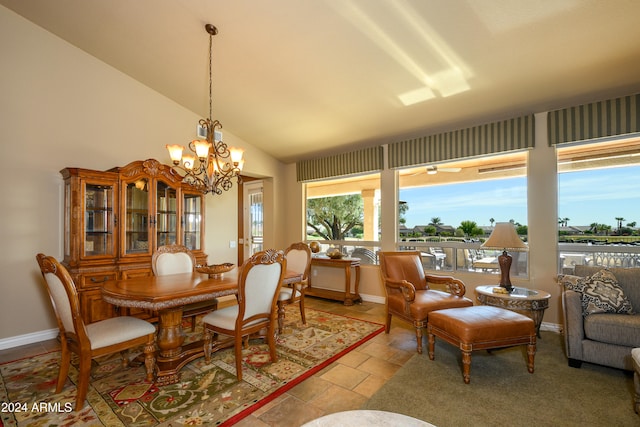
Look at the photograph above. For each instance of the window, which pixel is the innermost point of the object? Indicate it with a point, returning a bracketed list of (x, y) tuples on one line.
[(599, 204), (344, 212), (447, 210)]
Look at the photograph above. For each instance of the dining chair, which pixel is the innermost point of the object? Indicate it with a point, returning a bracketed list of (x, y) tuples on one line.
[(176, 259), (259, 282), (409, 296), (89, 341), (299, 261)]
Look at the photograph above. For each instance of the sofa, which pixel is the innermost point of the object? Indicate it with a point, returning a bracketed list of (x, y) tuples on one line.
[(601, 330)]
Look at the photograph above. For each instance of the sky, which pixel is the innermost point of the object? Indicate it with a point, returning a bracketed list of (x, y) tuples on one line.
[(584, 197)]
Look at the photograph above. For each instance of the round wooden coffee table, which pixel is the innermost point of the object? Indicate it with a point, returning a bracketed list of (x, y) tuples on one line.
[(530, 302)]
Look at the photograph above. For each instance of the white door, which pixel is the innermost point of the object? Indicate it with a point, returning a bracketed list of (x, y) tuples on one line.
[(253, 218)]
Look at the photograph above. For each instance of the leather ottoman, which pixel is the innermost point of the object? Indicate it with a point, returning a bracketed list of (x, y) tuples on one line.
[(481, 327)]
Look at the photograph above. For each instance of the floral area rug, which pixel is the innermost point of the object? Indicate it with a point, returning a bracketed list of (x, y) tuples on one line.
[(207, 394)]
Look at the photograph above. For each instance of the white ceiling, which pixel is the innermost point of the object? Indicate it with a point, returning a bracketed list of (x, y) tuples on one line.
[(300, 78)]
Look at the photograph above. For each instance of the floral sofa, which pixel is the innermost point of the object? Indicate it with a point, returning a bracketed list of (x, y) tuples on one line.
[(601, 310)]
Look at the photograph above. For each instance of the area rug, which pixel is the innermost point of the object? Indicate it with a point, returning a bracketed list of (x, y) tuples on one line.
[(503, 393), (207, 394)]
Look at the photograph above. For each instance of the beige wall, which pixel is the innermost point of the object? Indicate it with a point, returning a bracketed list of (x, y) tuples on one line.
[(63, 108)]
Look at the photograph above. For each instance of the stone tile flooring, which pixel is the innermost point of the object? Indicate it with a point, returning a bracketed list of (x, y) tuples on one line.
[(344, 385)]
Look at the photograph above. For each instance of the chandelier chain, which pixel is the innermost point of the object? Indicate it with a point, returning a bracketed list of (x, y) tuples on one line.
[(211, 77)]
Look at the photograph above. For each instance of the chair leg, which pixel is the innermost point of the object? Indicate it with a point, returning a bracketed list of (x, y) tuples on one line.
[(302, 316), (388, 325), (419, 338), (280, 316), (65, 361), (149, 356), (238, 352), (271, 340), (193, 323), (83, 381), (207, 344), (125, 359)]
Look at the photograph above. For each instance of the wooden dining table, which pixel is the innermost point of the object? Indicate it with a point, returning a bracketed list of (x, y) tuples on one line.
[(168, 295)]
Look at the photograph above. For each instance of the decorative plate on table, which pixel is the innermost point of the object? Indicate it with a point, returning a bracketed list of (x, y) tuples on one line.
[(215, 270)]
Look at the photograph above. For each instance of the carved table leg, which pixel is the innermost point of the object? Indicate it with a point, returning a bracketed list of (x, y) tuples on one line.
[(347, 289)]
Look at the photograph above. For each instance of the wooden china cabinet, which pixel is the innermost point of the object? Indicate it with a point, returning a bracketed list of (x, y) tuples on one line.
[(114, 220)]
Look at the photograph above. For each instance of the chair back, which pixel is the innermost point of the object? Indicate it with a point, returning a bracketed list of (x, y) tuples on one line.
[(172, 259), (299, 259), (403, 265), (64, 298), (259, 287)]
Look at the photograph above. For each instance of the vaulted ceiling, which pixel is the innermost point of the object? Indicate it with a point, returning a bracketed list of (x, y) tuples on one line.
[(299, 79)]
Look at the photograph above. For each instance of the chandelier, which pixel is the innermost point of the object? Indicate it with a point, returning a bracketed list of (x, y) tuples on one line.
[(210, 165)]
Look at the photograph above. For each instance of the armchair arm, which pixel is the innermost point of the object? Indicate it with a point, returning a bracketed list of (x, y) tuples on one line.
[(407, 288), (454, 286)]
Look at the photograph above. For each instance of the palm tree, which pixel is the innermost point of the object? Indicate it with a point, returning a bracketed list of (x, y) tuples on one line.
[(435, 221), (620, 219), (492, 220)]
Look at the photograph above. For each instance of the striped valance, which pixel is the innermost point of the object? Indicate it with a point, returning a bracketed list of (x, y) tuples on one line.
[(491, 138), (360, 161), (602, 119)]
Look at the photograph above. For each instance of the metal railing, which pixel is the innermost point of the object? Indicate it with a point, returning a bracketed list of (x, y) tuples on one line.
[(621, 255), (456, 255)]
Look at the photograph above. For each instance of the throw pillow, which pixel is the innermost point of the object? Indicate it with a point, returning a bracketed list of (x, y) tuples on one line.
[(602, 294), (571, 283)]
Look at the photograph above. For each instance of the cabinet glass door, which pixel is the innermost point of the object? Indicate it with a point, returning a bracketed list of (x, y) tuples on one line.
[(98, 220), (136, 226), (191, 221), (167, 215)]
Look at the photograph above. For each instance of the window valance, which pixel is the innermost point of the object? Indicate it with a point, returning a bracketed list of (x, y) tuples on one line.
[(492, 138), (355, 162), (618, 116)]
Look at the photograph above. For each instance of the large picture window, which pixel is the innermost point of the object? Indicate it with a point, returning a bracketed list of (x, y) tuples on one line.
[(447, 210), (344, 213), (599, 204)]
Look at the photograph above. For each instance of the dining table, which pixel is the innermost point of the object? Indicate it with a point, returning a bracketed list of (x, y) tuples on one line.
[(168, 295)]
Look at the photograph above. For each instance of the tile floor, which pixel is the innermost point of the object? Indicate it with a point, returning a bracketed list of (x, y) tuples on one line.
[(344, 385)]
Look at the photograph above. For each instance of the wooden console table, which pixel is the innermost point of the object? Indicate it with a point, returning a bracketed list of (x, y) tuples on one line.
[(346, 264), (530, 302)]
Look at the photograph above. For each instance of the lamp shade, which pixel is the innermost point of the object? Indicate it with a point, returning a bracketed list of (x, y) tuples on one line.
[(504, 237)]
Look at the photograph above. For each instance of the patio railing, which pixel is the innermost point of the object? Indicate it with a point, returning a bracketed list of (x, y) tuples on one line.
[(456, 255)]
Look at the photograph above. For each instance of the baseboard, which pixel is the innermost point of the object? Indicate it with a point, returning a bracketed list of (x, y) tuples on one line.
[(34, 337), (373, 298), (551, 327)]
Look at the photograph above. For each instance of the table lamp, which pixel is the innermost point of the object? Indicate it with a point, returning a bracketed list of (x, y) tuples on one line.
[(504, 237)]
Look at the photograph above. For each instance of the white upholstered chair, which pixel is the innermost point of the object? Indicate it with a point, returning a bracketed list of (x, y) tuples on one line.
[(298, 260), (91, 340), (176, 259), (259, 282)]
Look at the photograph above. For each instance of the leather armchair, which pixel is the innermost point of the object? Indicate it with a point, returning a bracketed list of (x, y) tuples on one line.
[(409, 296)]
